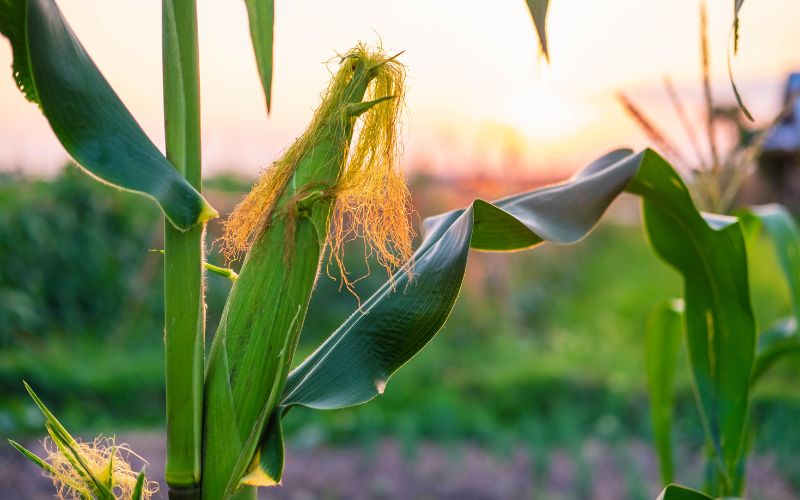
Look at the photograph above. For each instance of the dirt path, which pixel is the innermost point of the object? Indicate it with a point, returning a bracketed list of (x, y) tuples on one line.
[(386, 471)]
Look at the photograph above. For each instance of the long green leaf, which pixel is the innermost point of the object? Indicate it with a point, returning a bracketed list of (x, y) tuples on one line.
[(52, 68), (538, 10), (261, 16), (354, 364), (720, 328), (662, 343)]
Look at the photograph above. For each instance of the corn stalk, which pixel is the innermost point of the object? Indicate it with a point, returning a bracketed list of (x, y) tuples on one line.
[(184, 305)]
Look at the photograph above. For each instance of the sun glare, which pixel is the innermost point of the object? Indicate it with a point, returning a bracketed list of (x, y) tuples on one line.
[(542, 112)]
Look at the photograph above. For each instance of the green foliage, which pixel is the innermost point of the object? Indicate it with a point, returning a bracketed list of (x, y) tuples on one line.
[(89, 119), (82, 237)]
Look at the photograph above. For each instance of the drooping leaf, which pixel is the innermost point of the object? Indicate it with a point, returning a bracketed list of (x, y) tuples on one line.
[(678, 492), (538, 10), (94, 126), (261, 17), (662, 343), (354, 364)]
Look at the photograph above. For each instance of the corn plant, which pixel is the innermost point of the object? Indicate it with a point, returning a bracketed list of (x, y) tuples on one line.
[(338, 181)]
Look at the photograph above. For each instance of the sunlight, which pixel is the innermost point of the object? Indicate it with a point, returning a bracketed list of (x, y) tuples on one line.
[(541, 111)]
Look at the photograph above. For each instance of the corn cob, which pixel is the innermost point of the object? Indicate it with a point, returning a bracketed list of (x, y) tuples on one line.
[(321, 181)]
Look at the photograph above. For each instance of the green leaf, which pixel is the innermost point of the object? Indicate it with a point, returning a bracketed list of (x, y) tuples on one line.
[(677, 492), (32, 457), (94, 126), (720, 328), (662, 343), (261, 16), (538, 10), (354, 364)]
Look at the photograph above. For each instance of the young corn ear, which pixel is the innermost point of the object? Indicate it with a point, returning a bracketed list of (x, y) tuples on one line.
[(83, 470), (322, 192)]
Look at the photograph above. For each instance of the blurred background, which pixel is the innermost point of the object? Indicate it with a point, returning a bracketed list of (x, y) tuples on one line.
[(535, 387)]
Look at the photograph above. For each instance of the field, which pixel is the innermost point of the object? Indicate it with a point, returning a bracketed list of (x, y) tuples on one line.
[(537, 377)]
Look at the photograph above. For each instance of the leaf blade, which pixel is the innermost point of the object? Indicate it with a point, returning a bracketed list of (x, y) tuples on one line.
[(538, 11), (261, 18), (87, 116)]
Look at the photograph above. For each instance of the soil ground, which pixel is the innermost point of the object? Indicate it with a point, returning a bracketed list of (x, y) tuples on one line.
[(388, 471)]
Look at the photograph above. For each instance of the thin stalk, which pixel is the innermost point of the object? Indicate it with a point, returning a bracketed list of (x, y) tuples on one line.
[(183, 255)]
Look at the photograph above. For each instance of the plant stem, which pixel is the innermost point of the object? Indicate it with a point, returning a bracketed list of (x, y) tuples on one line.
[(184, 309)]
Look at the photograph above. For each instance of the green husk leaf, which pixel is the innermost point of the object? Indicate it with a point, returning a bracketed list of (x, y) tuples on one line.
[(52, 68), (68, 446), (252, 350), (139, 488), (662, 344), (32, 457), (261, 16)]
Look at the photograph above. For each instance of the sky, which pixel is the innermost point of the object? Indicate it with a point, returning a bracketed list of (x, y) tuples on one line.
[(479, 99)]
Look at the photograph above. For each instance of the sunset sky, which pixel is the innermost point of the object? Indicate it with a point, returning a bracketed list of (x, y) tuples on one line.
[(478, 97)]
